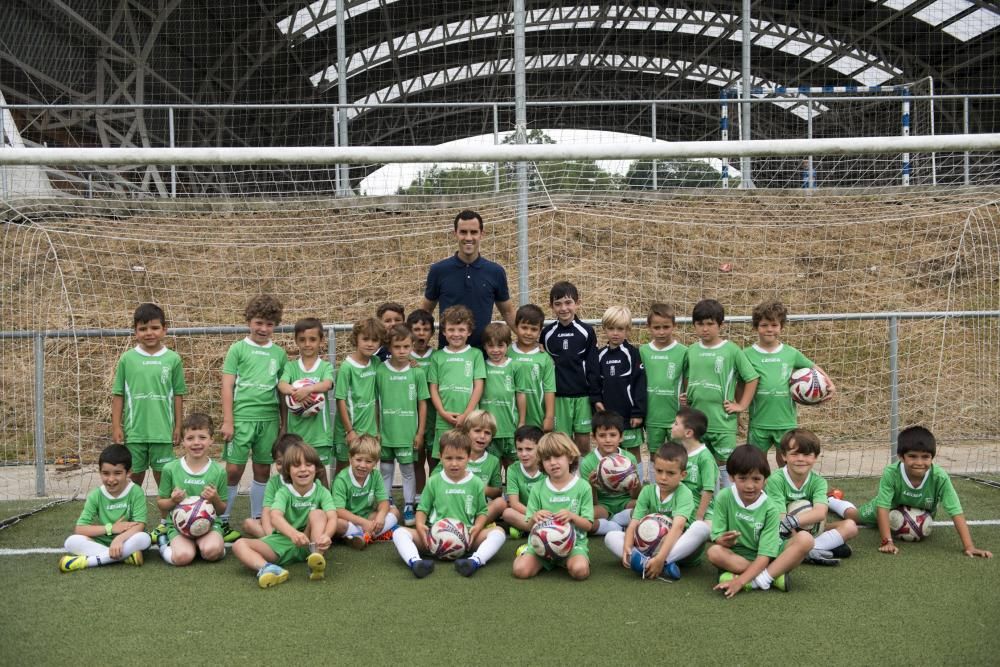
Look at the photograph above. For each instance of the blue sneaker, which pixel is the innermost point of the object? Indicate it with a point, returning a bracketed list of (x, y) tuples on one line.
[(671, 571), (421, 568), (271, 575), (409, 516), (638, 562), (467, 566)]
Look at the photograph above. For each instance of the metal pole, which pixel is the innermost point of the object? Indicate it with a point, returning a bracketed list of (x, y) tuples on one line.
[(336, 144), (521, 122), (656, 182), (906, 133), (724, 135), (745, 179), (965, 130), (811, 175), (39, 414), (496, 140), (933, 155), (893, 385), (173, 167), (345, 183)]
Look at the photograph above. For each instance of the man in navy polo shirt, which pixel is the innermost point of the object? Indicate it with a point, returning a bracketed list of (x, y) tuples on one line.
[(468, 279)]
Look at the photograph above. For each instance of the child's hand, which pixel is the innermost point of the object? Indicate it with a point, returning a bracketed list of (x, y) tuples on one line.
[(117, 545), (731, 407), (209, 493), (636, 422), (118, 435), (460, 419), (889, 548), (352, 437), (422, 533), (654, 567), (981, 553), (413, 363), (564, 516), (177, 495), (541, 516), (599, 405), (302, 394), (592, 478), (548, 424), (728, 539), (626, 553), (683, 399), (177, 435), (299, 539), (323, 542), (729, 588), (418, 443), (376, 525), (226, 431)]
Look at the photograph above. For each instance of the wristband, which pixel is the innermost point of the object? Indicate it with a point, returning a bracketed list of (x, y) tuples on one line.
[(886, 540), (108, 529)]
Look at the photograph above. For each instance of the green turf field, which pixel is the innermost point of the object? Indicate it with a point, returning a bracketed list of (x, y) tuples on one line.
[(928, 604)]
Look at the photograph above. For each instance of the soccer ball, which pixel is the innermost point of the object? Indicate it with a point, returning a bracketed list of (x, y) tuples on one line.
[(809, 386), (552, 539), (651, 530), (801, 506), (910, 524), (193, 517), (448, 539), (616, 473), (318, 400)]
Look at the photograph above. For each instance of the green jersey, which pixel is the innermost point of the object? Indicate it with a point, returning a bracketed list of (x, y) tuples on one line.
[(178, 475), (423, 360), (148, 384), (678, 503), (454, 374), (772, 406), (296, 507), (360, 498), (317, 429), (535, 377), (399, 395), (102, 508), (498, 397), (756, 523), (274, 482), (257, 369), (712, 374), (574, 496), (782, 490), (589, 463), (460, 501), (486, 468), (664, 374), (520, 483), (895, 489), (356, 387), (702, 472)]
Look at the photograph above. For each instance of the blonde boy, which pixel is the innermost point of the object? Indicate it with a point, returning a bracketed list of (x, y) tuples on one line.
[(362, 499), (623, 379)]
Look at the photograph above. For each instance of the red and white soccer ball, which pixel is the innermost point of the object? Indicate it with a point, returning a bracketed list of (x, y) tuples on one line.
[(809, 386), (318, 400), (616, 473), (797, 507), (910, 524), (448, 539), (552, 539), (650, 532), (193, 517)]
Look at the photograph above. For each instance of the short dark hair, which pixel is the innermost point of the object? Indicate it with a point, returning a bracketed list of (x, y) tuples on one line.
[(147, 312), (806, 442), (695, 420), (296, 454), (708, 309), (468, 214), (769, 310), (746, 459), (529, 313), (390, 307), (664, 310), (116, 455), (283, 443), (496, 333), (563, 289), (265, 307), (198, 421), (307, 323), (455, 439), (607, 419), (528, 432), (672, 451), (398, 332), (916, 439), (420, 315)]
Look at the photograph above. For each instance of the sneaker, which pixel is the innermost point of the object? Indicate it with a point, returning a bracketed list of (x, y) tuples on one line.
[(842, 551), (521, 550), (317, 567), (515, 534), (421, 568), (162, 542), (821, 557), (154, 535), (135, 558), (230, 534), (72, 563), (729, 576), (409, 516), (467, 566), (358, 542), (637, 561), (671, 571), (836, 493), (271, 575), (385, 536), (782, 582)]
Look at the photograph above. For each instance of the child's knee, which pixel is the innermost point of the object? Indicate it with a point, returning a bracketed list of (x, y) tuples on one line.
[(213, 552), (802, 540), (848, 529), (716, 554), (579, 569)]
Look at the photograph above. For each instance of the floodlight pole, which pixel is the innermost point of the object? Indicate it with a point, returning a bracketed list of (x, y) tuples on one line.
[(745, 179), (521, 132)]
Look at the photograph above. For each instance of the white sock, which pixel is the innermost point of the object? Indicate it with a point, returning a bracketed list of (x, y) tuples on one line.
[(405, 546), (762, 581), (604, 527), (138, 542), (615, 542), (690, 541), (409, 483), (831, 539), (354, 530), (390, 523), (623, 518), (166, 553), (489, 547), (387, 468), (256, 498), (840, 506), (724, 480), (233, 490), (80, 545)]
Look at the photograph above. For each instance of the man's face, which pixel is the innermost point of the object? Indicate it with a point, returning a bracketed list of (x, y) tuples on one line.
[(469, 235)]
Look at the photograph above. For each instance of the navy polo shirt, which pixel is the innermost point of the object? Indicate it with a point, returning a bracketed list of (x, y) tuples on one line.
[(477, 286)]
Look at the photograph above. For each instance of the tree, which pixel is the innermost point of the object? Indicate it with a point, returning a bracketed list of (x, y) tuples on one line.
[(438, 181), (672, 174)]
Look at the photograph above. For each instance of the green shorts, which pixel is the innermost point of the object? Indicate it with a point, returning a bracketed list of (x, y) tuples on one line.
[(745, 552), (869, 513), (172, 531), (615, 504), (764, 438), (632, 438), (656, 436), (402, 454), (325, 453), (503, 448), (572, 415), (285, 549), (256, 437), (720, 444), (341, 451), (146, 455)]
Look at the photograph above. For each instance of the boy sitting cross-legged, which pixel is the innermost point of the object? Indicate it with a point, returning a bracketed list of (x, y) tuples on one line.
[(260, 527), (361, 498), (522, 477), (456, 494), (612, 509)]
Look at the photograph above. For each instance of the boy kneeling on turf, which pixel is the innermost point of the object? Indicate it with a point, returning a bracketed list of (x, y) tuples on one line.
[(304, 520), (745, 530), (110, 528)]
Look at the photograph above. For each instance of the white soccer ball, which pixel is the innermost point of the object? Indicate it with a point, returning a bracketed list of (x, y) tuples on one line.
[(193, 517), (552, 539), (800, 506), (448, 539), (616, 473), (650, 532), (910, 524), (809, 386), (318, 400)]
